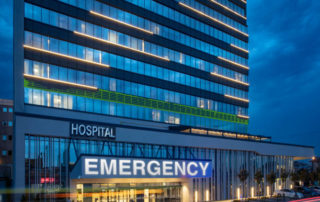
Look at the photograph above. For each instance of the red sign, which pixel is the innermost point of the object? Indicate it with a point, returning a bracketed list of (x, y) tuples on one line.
[(46, 180)]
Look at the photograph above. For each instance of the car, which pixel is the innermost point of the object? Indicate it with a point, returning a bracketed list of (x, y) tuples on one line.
[(316, 188), (288, 193), (307, 192)]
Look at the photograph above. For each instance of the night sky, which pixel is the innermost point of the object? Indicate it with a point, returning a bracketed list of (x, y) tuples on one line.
[(284, 68)]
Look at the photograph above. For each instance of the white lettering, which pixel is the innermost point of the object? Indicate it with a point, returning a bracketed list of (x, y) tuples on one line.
[(189, 168), (89, 131), (111, 133), (107, 134), (167, 168), (112, 168), (139, 165), (102, 131), (123, 164), (91, 163), (115, 168), (182, 169), (94, 130), (99, 129), (74, 129), (155, 170), (82, 129), (204, 168)]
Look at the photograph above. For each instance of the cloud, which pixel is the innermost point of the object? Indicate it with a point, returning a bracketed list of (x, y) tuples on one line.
[(285, 64), (6, 41)]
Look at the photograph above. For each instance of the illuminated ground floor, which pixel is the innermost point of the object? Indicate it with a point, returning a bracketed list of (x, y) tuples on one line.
[(140, 163), (132, 190)]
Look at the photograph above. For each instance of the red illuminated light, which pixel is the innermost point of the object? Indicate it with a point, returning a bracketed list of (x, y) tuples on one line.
[(46, 180)]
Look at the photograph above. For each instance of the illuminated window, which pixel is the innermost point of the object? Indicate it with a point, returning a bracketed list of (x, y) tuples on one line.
[(177, 120), (4, 137), (113, 85), (48, 99), (89, 54), (200, 103), (70, 102), (155, 115), (4, 152), (171, 119), (4, 109), (36, 97), (10, 109), (113, 36), (57, 101), (82, 26), (112, 109), (64, 101)]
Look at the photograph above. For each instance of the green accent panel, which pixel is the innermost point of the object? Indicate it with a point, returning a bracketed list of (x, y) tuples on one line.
[(137, 101)]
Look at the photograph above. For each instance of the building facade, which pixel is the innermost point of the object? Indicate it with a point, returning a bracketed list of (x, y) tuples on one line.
[(136, 100), (6, 131), (6, 145), (315, 164)]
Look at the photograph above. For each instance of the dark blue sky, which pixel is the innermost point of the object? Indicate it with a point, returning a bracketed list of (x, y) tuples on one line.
[(285, 68), (284, 61)]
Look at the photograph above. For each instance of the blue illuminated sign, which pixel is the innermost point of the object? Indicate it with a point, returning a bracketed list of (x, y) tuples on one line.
[(112, 167)]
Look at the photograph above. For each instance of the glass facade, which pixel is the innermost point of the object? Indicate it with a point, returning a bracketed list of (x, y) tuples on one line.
[(233, 7), (49, 159), (234, 82), (182, 65), (93, 5), (43, 96), (129, 192), (72, 24), (101, 57), (165, 11), (56, 19), (190, 21)]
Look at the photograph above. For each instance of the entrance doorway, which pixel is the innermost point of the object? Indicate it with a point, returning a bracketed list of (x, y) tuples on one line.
[(128, 192)]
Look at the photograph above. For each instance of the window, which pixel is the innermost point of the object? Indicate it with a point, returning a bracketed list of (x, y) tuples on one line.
[(113, 36), (57, 101), (4, 109), (4, 137), (37, 69), (4, 153), (37, 97), (112, 85), (155, 115), (4, 123), (10, 110), (10, 124), (171, 119)]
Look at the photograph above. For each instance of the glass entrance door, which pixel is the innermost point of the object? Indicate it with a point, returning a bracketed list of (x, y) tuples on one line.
[(124, 192)]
